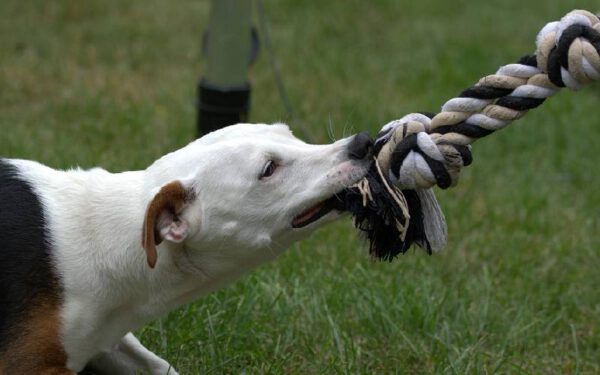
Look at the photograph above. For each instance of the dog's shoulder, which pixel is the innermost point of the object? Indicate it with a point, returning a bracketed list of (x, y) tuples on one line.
[(24, 238), (29, 294), (25, 246)]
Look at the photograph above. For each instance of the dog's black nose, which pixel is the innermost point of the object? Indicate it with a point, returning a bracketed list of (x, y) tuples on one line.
[(361, 146)]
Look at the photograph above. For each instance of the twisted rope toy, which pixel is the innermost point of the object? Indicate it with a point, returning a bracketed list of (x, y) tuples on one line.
[(394, 205)]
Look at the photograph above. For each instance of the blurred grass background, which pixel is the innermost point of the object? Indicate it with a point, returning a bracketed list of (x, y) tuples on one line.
[(112, 83)]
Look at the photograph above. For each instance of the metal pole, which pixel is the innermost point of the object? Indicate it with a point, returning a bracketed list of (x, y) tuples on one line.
[(224, 91)]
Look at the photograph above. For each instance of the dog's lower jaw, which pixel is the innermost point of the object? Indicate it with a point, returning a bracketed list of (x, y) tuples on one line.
[(318, 213)]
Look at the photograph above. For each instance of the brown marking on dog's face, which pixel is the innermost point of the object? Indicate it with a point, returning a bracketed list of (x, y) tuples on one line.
[(170, 200), (37, 348)]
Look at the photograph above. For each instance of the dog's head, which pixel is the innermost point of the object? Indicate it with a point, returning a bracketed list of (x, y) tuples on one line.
[(246, 192)]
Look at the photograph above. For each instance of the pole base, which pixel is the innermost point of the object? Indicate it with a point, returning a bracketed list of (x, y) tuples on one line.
[(220, 107)]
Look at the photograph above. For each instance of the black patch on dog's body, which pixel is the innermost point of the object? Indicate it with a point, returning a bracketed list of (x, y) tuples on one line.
[(27, 280)]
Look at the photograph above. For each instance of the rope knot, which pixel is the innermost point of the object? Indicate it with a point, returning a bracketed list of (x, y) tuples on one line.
[(414, 158), (569, 49)]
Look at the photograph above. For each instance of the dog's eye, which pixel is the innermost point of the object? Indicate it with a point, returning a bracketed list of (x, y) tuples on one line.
[(269, 169)]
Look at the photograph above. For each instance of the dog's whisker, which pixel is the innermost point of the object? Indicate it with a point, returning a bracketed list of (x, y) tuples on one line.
[(345, 129), (330, 130)]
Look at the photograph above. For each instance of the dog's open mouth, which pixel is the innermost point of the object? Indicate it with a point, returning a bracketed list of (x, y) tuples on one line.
[(318, 211)]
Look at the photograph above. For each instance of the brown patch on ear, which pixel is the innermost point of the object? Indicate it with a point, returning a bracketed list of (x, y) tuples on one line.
[(171, 198)]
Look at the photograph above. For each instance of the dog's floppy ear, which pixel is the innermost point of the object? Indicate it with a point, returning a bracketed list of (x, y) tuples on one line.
[(162, 219)]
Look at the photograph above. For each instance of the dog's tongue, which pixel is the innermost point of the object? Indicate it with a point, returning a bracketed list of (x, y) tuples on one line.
[(306, 215)]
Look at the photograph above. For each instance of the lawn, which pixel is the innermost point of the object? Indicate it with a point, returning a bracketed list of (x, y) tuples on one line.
[(112, 83)]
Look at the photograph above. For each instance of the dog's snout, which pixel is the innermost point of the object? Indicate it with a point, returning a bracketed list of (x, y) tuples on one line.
[(361, 146)]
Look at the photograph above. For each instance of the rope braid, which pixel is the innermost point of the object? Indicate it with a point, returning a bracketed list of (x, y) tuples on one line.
[(394, 205)]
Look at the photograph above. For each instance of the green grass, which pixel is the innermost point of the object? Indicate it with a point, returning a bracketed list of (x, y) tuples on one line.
[(112, 83)]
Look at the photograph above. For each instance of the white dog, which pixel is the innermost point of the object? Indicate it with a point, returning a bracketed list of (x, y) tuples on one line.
[(88, 256)]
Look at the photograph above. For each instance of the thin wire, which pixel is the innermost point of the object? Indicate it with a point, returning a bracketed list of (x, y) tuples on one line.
[(266, 36)]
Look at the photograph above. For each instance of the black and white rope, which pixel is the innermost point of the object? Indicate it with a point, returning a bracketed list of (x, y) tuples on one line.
[(420, 151)]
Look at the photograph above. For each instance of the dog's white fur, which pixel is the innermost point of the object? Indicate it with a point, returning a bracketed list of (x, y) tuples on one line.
[(236, 222)]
